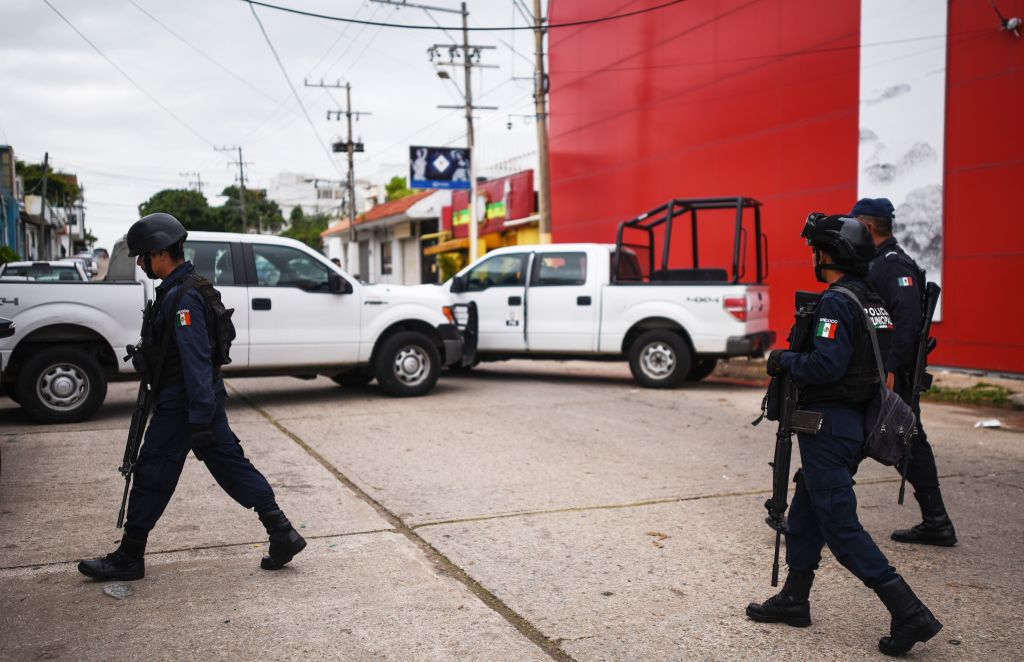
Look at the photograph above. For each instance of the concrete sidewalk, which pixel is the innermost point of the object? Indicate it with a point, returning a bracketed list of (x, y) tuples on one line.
[(522, 511)]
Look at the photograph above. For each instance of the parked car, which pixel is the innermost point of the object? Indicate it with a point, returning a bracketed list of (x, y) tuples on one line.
[(53, 270), (296, 314), (671, 317)]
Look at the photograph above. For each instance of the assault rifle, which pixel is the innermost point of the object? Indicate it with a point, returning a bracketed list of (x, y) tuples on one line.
[(920, 380), (148, 380), (780, 405)]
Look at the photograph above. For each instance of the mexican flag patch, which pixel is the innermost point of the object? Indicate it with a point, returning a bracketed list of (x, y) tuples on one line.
[(183, 318), (905, 281), (827, 328)]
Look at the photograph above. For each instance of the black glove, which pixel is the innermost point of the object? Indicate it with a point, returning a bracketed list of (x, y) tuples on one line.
[(775, 363), (201, 437)]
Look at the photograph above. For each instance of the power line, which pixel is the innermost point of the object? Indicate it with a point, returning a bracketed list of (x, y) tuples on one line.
[(407, 26), (273, 117), (295, 92), (129, 78), (203, 53)]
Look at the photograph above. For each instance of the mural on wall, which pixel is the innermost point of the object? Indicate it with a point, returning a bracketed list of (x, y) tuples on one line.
[(903, 119)]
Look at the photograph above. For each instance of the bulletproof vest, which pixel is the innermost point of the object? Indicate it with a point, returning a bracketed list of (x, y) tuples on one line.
[(219, 327), (860, 382)]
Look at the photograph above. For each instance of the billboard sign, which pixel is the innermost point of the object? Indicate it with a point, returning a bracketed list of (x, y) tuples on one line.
[(439, 167)]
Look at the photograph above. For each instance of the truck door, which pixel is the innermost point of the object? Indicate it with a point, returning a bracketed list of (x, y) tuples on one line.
[(294, 318), (562, 306), (221, 263), (498, 286)]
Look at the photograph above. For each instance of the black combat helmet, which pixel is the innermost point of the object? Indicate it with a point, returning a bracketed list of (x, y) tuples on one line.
[(846, 239), (154, 233)]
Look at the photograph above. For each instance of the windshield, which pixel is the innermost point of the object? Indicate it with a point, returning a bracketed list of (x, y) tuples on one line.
[(45, 272)]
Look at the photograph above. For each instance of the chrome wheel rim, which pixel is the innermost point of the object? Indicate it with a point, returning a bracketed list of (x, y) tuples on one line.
[(657, 360), (412, 365), (62, 387)]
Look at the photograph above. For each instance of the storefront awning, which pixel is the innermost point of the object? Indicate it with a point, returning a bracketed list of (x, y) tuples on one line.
[(448, 246)]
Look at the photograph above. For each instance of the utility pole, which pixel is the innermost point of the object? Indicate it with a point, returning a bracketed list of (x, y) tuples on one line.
[(540, 91), (350, 147), (42, 210), (470, 55), (193, 184), (241, 163)]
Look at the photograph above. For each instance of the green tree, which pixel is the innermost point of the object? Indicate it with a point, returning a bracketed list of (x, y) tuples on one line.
[(259, 211), (306, 229), (397, 189), (189, 207), (61, 187)]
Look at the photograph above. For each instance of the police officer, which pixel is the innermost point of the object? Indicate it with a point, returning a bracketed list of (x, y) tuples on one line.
[(836, 375), (900, 283), (188, 414)]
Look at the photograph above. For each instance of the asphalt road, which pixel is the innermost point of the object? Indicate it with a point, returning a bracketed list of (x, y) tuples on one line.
[(526, 511)]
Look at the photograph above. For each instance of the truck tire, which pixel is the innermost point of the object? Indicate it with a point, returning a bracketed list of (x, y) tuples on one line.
[(701, 369), (61, 385), (408, 364), (660, 359), (353, 378)]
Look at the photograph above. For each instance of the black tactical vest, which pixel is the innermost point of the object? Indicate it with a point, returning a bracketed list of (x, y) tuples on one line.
[(219, 327), (860, 382)]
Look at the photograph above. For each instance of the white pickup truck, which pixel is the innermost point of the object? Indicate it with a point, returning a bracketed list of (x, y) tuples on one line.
[(296, 314), (615, 301)]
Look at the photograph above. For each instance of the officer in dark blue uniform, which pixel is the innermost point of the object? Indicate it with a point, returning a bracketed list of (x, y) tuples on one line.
[(836, 375), (900, 282), (188, 412)]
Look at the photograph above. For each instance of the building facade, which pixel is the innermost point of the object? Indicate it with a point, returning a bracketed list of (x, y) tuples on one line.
[(318, 195), (386, 246), (806, 106)]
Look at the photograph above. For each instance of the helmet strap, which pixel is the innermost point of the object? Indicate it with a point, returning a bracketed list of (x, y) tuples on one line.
[(147, 265), (819, 267)]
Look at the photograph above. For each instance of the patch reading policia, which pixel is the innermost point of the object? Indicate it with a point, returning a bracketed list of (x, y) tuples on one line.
[(183, 318), (905, 281), (879, 317), (827, 328)]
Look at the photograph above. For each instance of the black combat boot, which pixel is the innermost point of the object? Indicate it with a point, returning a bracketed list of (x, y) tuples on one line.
[(285, 541), (125, 563), (911, 620), (935, 529), (789, 606)]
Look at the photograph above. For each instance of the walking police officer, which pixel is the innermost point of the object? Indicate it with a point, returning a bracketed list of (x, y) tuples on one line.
[(900, 282), (836, 375), (188, 412)]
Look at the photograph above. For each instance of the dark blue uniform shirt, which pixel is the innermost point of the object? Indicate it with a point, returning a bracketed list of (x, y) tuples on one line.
[(896, 278), (199, 384), (836, 323)]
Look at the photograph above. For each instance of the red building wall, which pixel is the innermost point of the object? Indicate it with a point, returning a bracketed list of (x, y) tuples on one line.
[(760, 98)]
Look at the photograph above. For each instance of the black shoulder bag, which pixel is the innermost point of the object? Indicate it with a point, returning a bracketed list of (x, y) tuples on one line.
[(889, 422)]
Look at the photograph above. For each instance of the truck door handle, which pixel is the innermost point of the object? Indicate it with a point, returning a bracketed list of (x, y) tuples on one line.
[(582, 301), (261, 304), (515, 301)]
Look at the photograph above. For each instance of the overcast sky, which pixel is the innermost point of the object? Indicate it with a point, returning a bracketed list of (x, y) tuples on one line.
[(59, 95)]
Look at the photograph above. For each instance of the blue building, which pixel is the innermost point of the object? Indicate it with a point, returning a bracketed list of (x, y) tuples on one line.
[(11, 233)]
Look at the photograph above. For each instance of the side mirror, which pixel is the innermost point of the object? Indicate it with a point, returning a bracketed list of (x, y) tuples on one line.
[(337, 284), (458, 284)]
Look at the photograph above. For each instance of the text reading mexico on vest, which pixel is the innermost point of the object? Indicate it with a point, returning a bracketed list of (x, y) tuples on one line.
[(827, 328)]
